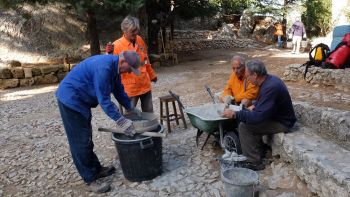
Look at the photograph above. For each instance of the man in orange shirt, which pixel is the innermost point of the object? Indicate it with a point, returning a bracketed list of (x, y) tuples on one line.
[(137, 87), (238, 89)]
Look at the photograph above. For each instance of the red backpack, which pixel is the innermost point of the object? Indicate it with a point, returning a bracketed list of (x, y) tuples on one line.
[(340, 56)]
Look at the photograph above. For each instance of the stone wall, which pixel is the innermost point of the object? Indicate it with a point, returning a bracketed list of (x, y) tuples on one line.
[(337, 78), (11, 77), (188, 40)]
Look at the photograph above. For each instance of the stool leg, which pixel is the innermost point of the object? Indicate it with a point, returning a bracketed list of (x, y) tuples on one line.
[(161, 111), (182, 116), (167, 116), (175, 113)]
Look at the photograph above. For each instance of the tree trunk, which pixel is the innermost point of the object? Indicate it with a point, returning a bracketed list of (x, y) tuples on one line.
[(152, 10), (92, 33)]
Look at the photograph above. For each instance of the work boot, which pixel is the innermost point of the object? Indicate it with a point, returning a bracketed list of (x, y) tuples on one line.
[(106, 171), (256, 166), (98, 186)]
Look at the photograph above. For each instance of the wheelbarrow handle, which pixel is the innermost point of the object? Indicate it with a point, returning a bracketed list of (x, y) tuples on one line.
[(146, 133), (177, 99)]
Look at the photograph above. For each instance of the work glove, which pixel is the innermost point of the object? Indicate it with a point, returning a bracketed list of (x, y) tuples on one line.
[(134, 110), (125, 125), (228, 100), (109, 48)]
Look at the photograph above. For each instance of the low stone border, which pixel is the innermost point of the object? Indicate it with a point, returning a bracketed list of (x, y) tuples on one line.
[(11, 77), (338, 78), (330, 123)]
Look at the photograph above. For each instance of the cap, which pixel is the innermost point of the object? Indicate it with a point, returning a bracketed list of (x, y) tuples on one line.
[(133, 59)]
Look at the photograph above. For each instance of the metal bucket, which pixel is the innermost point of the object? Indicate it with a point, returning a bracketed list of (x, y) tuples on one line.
[(240, 182)]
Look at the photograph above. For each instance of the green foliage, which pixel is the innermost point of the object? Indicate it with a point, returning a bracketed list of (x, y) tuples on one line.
[(234, 6), (188, 9), (318, 16)]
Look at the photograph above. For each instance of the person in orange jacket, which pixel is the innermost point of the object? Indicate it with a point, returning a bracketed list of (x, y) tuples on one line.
[(238, 89), (137, 87), (279, 33)]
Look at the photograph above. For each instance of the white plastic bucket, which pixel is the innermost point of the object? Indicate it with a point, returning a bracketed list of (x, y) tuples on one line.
[(240, 182)]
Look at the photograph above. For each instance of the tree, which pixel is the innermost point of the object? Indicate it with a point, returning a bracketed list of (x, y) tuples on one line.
[(87, 9), (317, 17)]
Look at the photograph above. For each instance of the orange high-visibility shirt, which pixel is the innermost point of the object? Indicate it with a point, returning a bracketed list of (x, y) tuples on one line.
[(240, 89), (136, 85)]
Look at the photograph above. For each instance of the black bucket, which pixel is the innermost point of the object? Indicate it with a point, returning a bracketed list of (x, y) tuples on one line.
[(140, 156)]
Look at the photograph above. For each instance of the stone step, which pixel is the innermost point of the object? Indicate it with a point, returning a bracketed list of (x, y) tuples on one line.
[(330, 123), (322, 164)]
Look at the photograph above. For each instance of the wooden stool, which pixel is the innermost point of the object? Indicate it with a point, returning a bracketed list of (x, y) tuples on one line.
[(170, 117)]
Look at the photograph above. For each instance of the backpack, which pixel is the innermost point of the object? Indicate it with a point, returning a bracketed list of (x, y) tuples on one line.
[(317, 56), (340, 56)]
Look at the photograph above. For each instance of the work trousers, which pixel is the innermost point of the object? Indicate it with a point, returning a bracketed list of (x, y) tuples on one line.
[(296, 43), (146, 101), (79, 133), (250, 137)]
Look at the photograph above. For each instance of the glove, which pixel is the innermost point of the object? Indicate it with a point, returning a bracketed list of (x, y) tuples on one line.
[(155, 79), (126, 126), (109, 48), (135, 111), (228, 99)]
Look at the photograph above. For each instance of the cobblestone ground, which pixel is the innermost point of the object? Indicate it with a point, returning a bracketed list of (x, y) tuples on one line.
[(35, 158)]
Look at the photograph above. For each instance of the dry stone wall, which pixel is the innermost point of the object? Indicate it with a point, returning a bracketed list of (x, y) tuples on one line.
[(11, 77), (338, 78), (187, 40)]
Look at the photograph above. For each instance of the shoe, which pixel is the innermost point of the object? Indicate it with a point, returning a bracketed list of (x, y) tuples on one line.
[(98, 186), (256, 166), (106, 171), (292, 52)]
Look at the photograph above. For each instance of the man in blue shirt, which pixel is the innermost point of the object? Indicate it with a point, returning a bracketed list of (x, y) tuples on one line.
[(272, 113), (90, 83)]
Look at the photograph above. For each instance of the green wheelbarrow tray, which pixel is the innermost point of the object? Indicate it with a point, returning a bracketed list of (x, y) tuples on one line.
[(206, 118)]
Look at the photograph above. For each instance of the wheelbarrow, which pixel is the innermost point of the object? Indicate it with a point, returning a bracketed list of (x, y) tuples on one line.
[(206, 119)]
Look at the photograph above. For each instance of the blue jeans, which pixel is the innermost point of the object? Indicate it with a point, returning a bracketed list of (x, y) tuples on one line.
[(79, 134), (279, 41)]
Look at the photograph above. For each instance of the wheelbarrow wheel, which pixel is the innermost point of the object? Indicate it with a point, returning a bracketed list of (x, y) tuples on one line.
[(232, 143)]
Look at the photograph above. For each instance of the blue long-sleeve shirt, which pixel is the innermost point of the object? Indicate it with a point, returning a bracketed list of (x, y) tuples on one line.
[(273, 103), (90, 83)]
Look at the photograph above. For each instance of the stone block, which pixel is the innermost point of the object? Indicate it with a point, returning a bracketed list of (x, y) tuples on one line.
[(36, 71), (27, 72), (9, 83), (46, 79), (49, 69), (26, 82), (60, 67), (5, 73), (17, 72)]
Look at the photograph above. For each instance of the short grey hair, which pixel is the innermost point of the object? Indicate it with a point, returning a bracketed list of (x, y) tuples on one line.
[(240, 59), (130, 23), (257, 67)]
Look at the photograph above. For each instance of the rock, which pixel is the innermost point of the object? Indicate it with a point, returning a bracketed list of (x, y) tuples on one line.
[(26, 82), (49, 69), (9, 83), (15, 63), (17, 72), (36, 71), (5, 73), (27, 72)]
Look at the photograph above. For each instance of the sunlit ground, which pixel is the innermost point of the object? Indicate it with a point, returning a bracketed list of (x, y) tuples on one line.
[(21, 93)]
